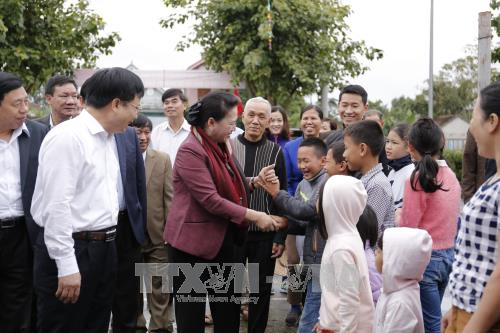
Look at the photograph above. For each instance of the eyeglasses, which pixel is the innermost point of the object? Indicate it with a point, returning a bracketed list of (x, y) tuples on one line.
[(137, 107)]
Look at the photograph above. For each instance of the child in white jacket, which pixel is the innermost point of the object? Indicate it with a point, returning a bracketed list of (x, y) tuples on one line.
[(346, 296), (401, 257)]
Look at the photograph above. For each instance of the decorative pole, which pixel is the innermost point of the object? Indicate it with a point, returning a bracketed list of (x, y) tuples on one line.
[(270, 25), (431, 56)]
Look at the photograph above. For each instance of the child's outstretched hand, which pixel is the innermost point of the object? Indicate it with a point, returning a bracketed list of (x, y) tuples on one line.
[(268, 175), (272, 188)]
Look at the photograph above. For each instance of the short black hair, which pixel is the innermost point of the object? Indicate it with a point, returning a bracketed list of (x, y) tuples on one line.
[(312, 107), (8, 82), (57, 81), (215, 105), (110, 83), (318, 145), (142, 121), (489, 100), (368, 226), (338, 149), (172, 93), (402, 130), (355, 90), (368, 132)]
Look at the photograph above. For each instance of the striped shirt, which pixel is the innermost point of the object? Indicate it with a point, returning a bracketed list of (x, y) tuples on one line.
[(253, 156), (379, 196)]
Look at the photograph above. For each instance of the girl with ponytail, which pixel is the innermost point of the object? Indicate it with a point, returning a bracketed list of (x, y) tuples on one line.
[(431, 201)]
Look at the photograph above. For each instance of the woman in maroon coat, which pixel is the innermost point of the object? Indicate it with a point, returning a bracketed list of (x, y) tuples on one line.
[(208, 215)]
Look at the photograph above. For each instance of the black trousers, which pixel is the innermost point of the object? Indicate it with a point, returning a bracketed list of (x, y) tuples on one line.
[(16, 279), (257, 249), (190, 312), (97, 264), (125, 300)]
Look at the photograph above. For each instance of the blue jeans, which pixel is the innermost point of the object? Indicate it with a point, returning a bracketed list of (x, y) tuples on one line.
[(432, 288), (310, 313)]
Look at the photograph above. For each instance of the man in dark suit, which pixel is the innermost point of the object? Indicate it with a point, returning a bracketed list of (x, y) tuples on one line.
[(131, 231), (61, 94), (159, 197), (20, 141)]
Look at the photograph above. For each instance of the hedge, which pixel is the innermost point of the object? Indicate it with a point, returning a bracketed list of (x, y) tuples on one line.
[(454, 160)]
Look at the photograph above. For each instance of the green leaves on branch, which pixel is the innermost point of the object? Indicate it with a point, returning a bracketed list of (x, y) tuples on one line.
[(39, 38), (311, 46)]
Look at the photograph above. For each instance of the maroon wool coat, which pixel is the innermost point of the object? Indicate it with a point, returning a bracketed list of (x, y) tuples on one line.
[(199, 216)]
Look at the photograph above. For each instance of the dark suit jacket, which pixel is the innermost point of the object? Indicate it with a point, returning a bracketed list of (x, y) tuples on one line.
[(134, 181), (29, 147), (44, 120), (159, 188), (199, 217)]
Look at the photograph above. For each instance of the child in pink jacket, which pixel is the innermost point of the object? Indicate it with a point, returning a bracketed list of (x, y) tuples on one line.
[(432, 203)]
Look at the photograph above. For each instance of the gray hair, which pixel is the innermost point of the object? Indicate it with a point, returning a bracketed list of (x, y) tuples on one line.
[(258, 99), (377, 113)]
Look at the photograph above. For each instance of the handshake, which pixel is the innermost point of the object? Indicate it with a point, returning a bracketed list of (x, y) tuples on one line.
[(268, 181)]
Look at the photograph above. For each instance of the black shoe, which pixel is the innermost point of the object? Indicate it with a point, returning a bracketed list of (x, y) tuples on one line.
[(292, 318)]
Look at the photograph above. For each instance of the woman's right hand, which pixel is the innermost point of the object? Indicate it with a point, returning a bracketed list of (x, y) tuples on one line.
[(266, 223)]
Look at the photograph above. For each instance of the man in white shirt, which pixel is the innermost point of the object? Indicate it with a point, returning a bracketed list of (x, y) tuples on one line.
[(61, 94), (20, 141), (77, 200), (169, 135)]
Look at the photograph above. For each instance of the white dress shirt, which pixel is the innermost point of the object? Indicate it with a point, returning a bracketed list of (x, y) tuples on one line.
[(164, 138), (122, 205), (11, 204), (76, 187)]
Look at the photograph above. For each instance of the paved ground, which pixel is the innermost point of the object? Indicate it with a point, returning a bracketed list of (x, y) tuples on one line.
[(279, 309)]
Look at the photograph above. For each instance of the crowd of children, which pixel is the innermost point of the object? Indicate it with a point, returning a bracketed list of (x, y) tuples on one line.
[(397, 232)]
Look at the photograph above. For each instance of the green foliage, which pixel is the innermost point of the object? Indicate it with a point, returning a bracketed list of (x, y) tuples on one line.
[(495, 24), (455, 87), (455, 91), (378, 105), (405, 110), (454, 160), (310, 44), (39, 38), (293, 110)]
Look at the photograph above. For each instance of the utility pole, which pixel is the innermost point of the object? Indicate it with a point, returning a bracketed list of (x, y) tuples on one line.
[(431, 60), (324, 101), (484, 50)]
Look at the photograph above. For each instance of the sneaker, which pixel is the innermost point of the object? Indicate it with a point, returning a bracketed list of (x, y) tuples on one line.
[(292, 318), (284, 287)]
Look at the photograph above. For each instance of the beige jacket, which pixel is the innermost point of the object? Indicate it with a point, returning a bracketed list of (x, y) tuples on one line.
[(159, 193)]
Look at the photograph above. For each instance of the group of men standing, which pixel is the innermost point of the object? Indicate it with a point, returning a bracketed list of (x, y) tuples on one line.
[(72, 205), (84, 197)]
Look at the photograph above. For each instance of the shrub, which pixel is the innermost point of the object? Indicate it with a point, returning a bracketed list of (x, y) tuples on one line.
[(454, 160)]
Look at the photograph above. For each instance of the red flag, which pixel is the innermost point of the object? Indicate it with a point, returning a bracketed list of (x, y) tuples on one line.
[(236, 93)]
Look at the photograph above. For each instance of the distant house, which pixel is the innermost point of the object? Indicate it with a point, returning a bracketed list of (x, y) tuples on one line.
[(455, 131), (196, 81)]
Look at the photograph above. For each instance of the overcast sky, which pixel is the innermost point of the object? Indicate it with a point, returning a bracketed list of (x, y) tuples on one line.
[(399, 27)]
